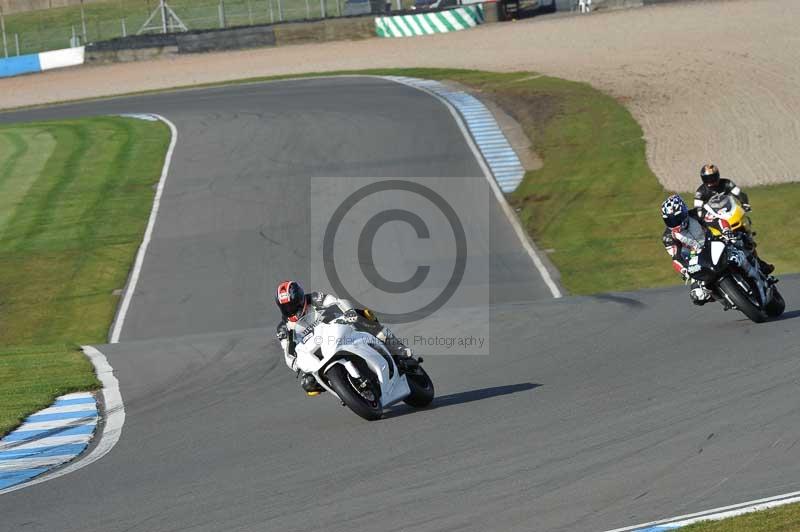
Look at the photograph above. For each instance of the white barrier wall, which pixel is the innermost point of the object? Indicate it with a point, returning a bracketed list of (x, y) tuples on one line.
[(62, 58)]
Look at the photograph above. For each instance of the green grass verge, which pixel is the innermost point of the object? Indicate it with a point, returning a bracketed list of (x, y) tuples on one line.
[(781, 519), (75, 197)]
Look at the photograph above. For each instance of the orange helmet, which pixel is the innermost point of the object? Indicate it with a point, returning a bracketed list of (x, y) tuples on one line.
[(709, 173)]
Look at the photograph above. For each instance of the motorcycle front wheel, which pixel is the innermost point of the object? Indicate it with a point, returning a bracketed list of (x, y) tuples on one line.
[(421, 387), (360, 397), (742, 301), (776, 305)]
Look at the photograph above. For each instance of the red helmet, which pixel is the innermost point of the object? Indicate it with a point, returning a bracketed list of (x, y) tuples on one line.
[(291, 300)]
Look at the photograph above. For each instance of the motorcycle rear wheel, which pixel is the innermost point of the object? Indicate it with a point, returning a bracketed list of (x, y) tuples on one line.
[(421, 387), (340, 381), (731, 289)]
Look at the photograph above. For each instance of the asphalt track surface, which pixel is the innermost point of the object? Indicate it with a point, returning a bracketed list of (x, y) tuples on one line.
[(590, 413)]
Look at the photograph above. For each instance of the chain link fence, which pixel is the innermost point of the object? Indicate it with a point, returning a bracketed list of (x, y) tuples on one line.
[(52, 29)]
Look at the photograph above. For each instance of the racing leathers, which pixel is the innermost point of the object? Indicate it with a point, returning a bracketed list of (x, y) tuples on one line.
[(683, 242), (289, 332), (724, 186)]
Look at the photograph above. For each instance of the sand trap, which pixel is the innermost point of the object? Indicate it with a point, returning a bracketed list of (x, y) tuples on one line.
[(708, 80)]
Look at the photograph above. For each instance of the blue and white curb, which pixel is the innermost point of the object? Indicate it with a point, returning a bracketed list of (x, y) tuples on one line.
[(714, 514), (30, 454), (48, 438), (492, 143), (496, 158), (28, 64)]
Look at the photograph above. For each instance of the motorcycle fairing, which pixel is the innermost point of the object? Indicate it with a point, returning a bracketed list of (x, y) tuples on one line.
[(330, 344)]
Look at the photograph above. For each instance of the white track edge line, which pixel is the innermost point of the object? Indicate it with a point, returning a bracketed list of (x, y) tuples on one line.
[(112, 427), (137, 266), (722, 512), (523, 237)]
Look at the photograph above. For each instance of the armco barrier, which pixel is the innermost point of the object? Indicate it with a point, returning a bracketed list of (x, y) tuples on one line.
[(461, 18), (27, 64), (190, 42), (233, 39), (143, 47)]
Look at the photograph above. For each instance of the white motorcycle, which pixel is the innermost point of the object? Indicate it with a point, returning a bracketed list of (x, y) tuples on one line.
[(356, 367)]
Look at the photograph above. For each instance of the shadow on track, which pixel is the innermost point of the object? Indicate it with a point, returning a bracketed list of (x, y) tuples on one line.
[(792, 314), (462, 397)]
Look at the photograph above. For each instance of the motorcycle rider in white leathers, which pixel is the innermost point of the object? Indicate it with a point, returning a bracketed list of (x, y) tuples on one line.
[(301, 312)]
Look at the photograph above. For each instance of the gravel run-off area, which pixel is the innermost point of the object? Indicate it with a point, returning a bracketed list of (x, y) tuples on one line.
[(715, 80)]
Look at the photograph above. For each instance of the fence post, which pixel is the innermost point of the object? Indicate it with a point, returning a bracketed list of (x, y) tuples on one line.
[(271, 14), (308, 10), (165, 20), (3, 27), (322, 9), (83, 23), (249, 12), (399, 5), (16, 41), (280, 11), (221, 14), (338, 8), (124, 29)]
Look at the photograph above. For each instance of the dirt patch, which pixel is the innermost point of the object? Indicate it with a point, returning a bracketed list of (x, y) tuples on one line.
[(726, 92), (529, 108), (519, 139)]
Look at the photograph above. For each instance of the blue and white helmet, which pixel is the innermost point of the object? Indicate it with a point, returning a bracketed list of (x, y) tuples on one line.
[(675, 212)]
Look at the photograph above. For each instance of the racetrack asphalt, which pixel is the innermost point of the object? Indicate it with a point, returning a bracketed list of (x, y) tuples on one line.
[(590, 413)]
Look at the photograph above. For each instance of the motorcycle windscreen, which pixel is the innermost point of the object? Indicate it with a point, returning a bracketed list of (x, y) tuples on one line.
[(708, 264)]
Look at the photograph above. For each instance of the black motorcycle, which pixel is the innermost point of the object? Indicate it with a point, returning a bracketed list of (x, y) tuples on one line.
[(732, 274)]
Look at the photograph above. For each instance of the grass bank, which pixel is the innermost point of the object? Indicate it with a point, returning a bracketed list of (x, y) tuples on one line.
[(74, 201)]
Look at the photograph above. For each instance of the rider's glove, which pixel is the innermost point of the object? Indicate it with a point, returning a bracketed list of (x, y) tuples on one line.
[(350, 316), (747, 207), (282, 333), (685, 274)]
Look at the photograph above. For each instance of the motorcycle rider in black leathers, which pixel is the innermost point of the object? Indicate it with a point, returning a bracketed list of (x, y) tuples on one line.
[(683, 237), (301, 311), (712, 185)]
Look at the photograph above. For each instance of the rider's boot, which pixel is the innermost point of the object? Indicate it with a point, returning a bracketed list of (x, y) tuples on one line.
[(310, 385), (699, 294), (765, 267)]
